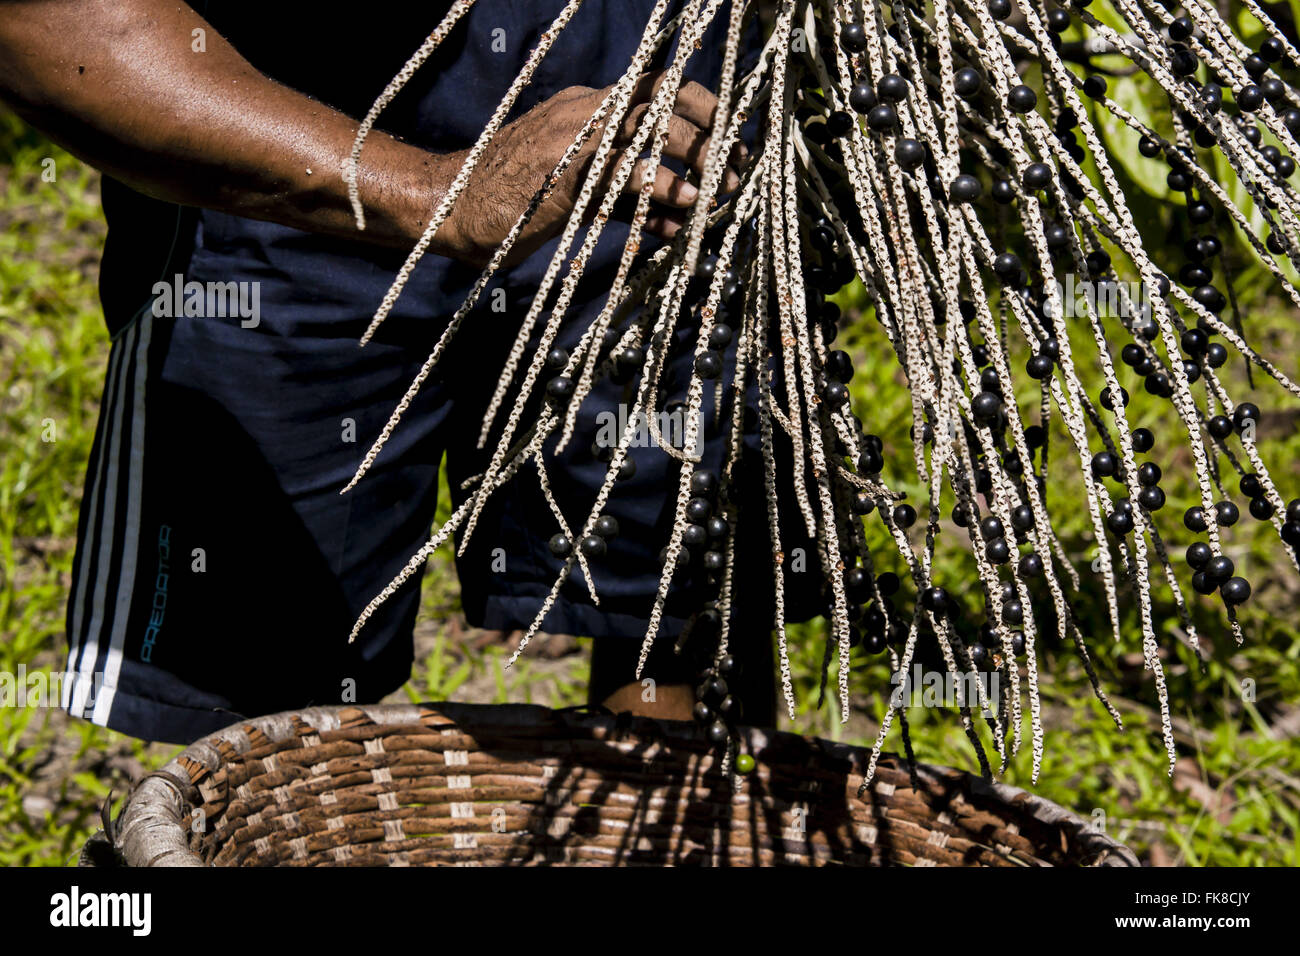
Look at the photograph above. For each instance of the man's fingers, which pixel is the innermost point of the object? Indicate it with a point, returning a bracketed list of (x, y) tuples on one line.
[(669, 188), (694, 102), (685, 142), (697, 104), (690, 144), (665, 225)]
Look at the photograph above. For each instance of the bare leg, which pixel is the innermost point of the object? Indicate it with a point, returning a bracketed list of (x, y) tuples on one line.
[(613, 684), (670, 702)]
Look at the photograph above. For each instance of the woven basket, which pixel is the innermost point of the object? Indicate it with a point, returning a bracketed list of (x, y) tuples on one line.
[(470, 784)]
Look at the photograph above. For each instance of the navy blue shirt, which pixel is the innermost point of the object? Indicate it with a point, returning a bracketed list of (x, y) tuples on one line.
[(309, 281)]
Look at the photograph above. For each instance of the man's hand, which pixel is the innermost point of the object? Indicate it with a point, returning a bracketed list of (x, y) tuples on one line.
[(524, 153), (116, 83)]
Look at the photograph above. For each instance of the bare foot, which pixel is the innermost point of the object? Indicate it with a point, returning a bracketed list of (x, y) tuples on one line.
[(671, 701)]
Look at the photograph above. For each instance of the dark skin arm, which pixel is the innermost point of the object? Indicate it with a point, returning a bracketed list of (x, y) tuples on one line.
[(117, 84)]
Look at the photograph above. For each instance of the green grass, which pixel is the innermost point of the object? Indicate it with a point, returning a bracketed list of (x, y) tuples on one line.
[(52, 356), (1235, 800)]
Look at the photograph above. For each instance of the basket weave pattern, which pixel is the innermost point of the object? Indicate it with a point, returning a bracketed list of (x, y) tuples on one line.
[(467, 784)]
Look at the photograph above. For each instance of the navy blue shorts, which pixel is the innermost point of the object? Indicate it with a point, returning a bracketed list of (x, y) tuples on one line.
[(219, 570)]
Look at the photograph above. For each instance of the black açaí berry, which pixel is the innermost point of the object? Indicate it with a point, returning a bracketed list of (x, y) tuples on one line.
[(1013, 612), (965, 189), (1219, 426), (1037, 176), (1006, 265), (870, 462), (1198, 555), (708, 365), (967, 82), (839, 366), (1261, 509), (936, 601), (1107, 402), (986, 406), (1039, 366), (909, 154), (857, 585), (854, 37), (862, 98), (1219, 568), (1235, 591), (1249, 98), (839, 124), (1152, 498), (704, 483), (892, 88), (1104, 464), (1243, 413), (1227, 513), (1183, 61), (1021, 99), (1022, 517), (882, 118)]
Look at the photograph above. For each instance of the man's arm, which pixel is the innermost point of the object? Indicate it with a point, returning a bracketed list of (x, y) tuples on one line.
[(116, 83)]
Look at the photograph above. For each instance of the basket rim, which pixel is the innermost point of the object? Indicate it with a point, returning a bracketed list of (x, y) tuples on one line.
[(151, 829)]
